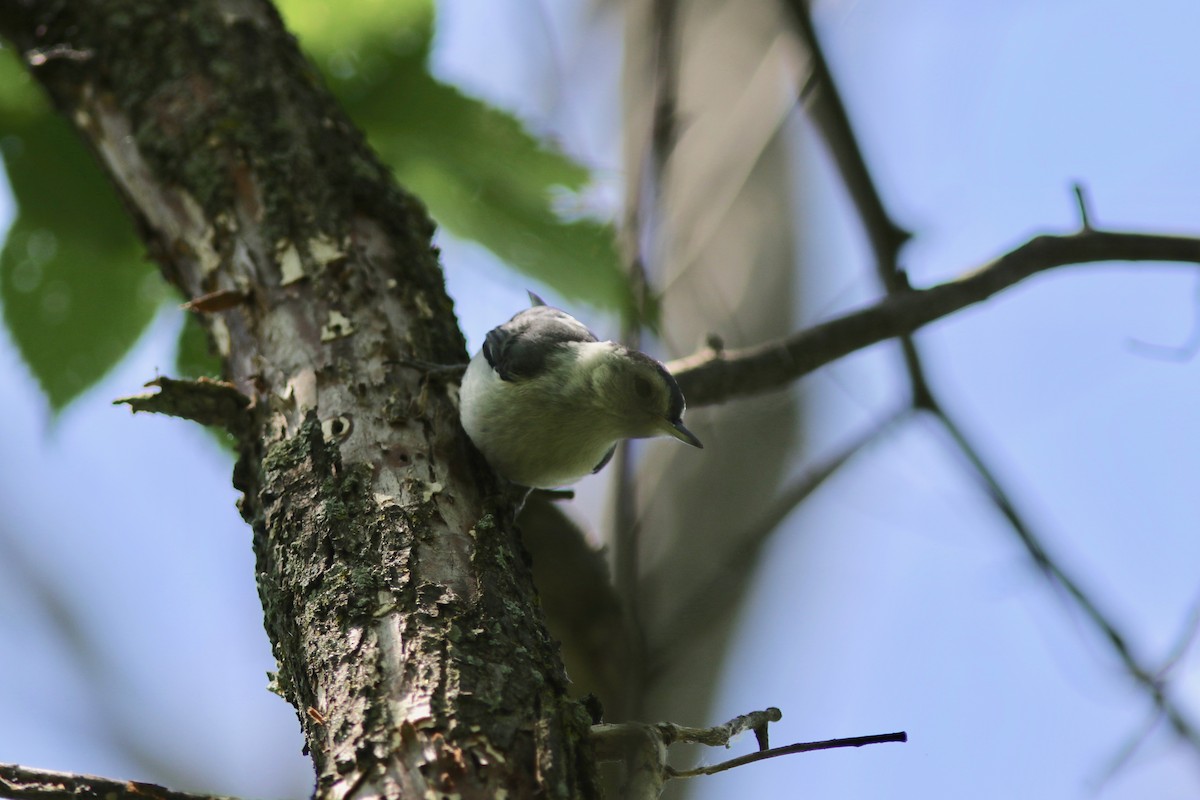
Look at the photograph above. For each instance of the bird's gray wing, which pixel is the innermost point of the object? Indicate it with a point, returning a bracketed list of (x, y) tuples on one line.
[(520, 348)]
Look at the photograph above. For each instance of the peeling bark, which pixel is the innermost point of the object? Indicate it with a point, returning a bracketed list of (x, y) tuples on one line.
[(396, 593)]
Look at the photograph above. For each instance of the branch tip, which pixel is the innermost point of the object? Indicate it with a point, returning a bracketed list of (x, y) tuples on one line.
[(1082, 203), (209, 402), (791, 749)]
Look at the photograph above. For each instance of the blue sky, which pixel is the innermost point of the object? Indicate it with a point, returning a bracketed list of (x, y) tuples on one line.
[(897, 598)]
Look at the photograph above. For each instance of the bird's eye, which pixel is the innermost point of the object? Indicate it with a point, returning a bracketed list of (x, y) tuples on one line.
[(642, 387)]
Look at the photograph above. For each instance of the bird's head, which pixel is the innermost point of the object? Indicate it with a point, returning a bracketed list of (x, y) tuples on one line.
[(645, 398)]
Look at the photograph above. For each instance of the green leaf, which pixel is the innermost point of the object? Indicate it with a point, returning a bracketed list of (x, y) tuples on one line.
[(485, 178), (482, 175), (333, 33), (75, 294), (75, 291), (19, 96), (578, 259), (194, 357)]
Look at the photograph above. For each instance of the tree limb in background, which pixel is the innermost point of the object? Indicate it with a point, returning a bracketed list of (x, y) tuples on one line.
[(715, 376), (692, 612), (22, 783), (886, 237), (1147, 678), (643, 199)]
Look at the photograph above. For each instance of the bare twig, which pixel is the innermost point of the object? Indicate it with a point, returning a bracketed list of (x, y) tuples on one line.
[(1185, 640), (1124, 755), (645, 204), (643, 747), (820, 94), (791, 749), (720, 585), (709, 377), (829, 114), (205, 401), (221, 300), (1146, 677), (722, 735), (1081, 202), (824, 103), (23, 783)]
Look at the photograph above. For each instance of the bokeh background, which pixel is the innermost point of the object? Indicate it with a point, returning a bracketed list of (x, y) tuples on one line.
[(894, 597)]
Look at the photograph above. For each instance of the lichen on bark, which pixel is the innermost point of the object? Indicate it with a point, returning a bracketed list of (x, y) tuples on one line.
[(395, 590)]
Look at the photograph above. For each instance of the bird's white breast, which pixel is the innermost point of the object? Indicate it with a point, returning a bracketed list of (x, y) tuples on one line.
[(542, 431)]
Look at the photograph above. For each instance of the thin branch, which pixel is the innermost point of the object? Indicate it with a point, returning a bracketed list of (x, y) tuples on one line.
[(1124, 755), (208, 402), (710, 377), (220, 300), (722, 735), (824, 104), (1146, 677), (23, 783), (821, 96), (791, 749), (1187, 637), (828, 113), (666, 86), (1081, 202), (647, 200), (1180, 352), (643, 747), (729, 567)]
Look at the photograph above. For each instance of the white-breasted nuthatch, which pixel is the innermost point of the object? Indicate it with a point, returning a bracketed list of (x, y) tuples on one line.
[(546, 402)]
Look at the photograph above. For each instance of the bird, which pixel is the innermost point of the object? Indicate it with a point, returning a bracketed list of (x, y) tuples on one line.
[(546, 402)]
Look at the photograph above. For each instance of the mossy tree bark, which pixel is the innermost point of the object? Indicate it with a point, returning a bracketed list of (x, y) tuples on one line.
[(395, 590)]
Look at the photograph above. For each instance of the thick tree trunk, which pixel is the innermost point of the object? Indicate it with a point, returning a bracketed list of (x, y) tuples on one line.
[(395, 590)]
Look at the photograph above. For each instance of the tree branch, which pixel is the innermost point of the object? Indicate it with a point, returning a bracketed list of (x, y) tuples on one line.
[(791, 749), (712, 376), (722, 735), (824, 104), (398, 599), (209, 402), (23, 783), (886, 239), (645, 198), (717, 587), (642, 747), (1147, 678)]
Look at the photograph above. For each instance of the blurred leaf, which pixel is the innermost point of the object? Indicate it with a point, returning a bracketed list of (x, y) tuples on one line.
[(482, 175), (485, 178), (194, 357), (332, 32), (76, 295), (578, 259), (20, 98), (75, 291)]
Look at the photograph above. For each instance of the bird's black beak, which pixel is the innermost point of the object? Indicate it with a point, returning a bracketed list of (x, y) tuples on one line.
[(681, 433)]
